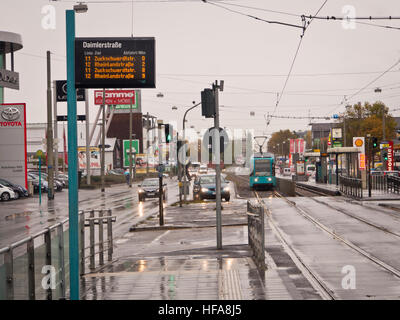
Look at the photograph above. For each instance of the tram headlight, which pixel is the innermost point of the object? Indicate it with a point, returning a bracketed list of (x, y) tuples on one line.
[(269, 179), (256, 179)]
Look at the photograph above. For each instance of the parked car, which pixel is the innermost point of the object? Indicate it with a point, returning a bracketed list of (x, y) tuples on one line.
[(35, 180), (385, 173), (286, 172), (149, 188), (204, 188), (58, 184), (19, 191), (6, 193), (203, 169), (116, 171)]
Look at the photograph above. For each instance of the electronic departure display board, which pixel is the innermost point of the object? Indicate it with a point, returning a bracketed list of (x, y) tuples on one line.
[(115, 62)]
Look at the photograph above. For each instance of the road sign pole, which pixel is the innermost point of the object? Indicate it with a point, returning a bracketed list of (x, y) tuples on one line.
[(72, 158), (50, 160), (130, 145), (55, 128)]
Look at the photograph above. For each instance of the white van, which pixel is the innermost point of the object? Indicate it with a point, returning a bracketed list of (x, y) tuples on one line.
[(310, 169), (287, 172)]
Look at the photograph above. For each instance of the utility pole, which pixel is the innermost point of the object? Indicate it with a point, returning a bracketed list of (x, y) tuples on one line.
[(103, 141), (87, 137), (50, 158), (217, 150), (130, 145)]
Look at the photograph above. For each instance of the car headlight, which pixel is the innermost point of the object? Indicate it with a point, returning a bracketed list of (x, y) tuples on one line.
[(204, 189), (141, 190)]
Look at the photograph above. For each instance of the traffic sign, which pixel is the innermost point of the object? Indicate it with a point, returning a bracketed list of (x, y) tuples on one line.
[(126, 152)]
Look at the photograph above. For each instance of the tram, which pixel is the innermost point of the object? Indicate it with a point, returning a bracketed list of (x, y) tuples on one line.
[(262, 171)]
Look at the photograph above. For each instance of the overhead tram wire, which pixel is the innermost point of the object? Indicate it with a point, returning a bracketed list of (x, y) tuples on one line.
[(254, 17), (305, 26), (346, 100)]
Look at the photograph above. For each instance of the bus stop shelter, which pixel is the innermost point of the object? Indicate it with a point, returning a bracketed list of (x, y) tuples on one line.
[(351, 168)]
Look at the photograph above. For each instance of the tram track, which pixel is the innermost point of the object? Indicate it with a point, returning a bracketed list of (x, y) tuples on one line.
[(316, 282), (394, 271)]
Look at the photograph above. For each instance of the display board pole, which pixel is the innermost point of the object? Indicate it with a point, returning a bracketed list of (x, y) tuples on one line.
[(55, 129), (50, 159), (87, 137), (103, 106), (72, 159)]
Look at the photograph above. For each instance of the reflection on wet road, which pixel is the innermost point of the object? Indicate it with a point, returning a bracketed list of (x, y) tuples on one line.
[(24, 217)]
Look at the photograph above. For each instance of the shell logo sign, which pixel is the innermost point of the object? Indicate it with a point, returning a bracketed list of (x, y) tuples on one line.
[(359, 142)]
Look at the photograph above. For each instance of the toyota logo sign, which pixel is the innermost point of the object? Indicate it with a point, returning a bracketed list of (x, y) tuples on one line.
[(10, 114)]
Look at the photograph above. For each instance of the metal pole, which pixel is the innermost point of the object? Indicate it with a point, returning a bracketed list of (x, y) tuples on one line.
[(55, 127), (130, 145), (72, 158), (147, 145), (160, 181), (87, 137), (217, 150), (50, 160), (383, 123), (103, 142), (184, 159)]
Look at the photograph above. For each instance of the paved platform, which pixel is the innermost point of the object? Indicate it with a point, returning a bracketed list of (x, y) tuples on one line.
[(332, 188), (180, 261)]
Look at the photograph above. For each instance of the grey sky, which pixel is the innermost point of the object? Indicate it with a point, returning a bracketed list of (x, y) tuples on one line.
[(198, 43)]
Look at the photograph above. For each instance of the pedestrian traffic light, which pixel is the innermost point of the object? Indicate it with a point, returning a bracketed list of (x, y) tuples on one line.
[(374, 142), (168, 132)]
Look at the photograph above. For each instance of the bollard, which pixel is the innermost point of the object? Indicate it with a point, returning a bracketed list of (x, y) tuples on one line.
[(91, 239), (30, 250), (101, 239)]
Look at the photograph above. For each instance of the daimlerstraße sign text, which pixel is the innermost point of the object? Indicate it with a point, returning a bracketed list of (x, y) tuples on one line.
[(13, 161), (115, 62), (116, 97)]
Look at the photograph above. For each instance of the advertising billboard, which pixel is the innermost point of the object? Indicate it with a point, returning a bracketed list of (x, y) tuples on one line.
[(94, 158), (115, 62), (61, 92), (13, 160), (119, 97)]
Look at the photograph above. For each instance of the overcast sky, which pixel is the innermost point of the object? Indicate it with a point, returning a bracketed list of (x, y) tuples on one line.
[(198, 43)]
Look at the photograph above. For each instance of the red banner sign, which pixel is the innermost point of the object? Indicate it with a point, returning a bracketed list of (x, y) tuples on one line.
[(115, 97), (390, 160)]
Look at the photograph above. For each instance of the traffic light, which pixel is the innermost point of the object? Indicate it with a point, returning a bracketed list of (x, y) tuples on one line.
[(374, 142), (207, 103), (385, 155), (168, 132)]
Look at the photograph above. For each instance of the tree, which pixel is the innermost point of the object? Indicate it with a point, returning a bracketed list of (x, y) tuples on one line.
[(281, 138), (367, 119)]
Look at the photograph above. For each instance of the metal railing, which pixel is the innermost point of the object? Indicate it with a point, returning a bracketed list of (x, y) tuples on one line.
[(351, 187), (45, 257), (393, 184), (379, 182), (256, 233)]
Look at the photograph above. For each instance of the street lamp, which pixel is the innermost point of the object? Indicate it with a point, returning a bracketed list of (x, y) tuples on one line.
[(184, 143)]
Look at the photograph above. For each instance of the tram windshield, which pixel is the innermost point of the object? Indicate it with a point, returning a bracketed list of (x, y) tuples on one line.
[(262, 167)]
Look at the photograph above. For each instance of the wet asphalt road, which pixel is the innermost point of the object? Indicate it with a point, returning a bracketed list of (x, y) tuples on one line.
[(25, 217)]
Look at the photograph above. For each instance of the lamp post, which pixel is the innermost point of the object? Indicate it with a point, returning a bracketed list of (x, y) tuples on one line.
[(184, 156)]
